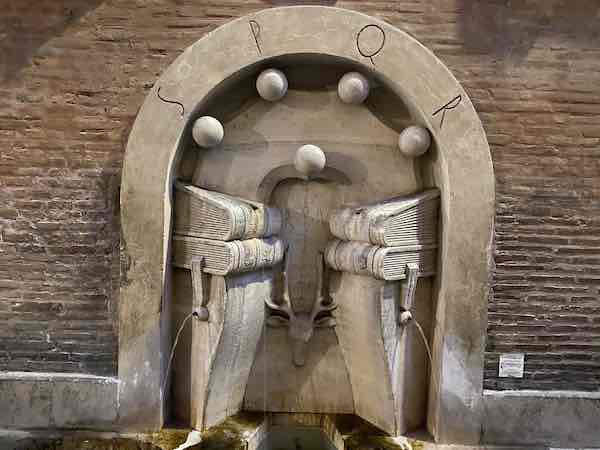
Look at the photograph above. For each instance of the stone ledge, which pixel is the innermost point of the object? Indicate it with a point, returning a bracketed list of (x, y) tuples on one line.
[(543, 394), (495, 447), (550, 418), (54, 376), (169, 438), (32, 400)]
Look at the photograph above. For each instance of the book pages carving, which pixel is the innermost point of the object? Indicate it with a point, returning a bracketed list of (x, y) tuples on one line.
[(392, 240), (402, 221), (222, 258), (207, 222), (384, 263), (211, 215), (208, 229)]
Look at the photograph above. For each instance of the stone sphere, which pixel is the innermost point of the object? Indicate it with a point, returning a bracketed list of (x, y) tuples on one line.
[(207, 132), (202, 314), (272, 85), (414, 141), (309, 160), (353, 88)]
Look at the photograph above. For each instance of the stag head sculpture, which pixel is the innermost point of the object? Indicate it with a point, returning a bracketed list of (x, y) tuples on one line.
[(301, 325)]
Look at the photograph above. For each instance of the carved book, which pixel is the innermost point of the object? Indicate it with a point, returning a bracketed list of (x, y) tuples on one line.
[(212, 215), (407, 220), (385, 263), (222, 258)]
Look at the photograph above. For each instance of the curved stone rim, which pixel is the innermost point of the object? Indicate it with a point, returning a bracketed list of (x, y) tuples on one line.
[(463, 172)]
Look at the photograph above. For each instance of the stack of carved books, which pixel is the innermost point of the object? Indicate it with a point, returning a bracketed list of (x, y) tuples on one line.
[(228, 233), (381, 239)]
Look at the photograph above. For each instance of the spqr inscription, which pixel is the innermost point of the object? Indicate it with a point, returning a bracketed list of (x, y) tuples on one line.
[(447, 107), (174, 102), (370, 41), (255, 30)]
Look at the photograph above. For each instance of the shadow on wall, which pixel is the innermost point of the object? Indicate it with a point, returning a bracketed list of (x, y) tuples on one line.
[(25, 26), (510, 28)]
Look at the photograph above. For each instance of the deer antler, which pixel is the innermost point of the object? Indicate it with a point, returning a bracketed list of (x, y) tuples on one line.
[(318, 306), (286, 304)]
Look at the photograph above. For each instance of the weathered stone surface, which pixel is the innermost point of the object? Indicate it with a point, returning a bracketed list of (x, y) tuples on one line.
[(361, 328), (57, 401), (28, 403), (227, 345), (556, 419), (84, 403), (321, 385), (248, 168)]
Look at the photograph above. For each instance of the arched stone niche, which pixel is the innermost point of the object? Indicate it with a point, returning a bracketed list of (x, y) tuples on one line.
[(458, 164)]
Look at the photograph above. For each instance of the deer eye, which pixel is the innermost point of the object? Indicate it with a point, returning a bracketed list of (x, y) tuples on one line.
[(322, 315), (325, 322), (277, 313)]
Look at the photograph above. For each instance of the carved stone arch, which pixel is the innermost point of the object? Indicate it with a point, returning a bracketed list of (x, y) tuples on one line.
[(460, 166)]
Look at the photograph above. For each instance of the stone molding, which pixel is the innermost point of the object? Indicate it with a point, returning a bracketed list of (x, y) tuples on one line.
[(532, 419), (553, 418), (30, 400)]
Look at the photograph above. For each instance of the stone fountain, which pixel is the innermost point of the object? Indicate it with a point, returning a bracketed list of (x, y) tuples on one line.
[(307, 204)]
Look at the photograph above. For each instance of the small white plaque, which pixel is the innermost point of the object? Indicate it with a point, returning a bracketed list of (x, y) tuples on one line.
[(511, 365)]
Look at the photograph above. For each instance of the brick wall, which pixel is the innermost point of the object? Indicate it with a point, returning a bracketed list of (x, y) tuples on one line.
[(74, 72)]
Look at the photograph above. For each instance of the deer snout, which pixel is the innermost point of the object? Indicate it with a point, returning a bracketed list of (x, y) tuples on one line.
[(299, 351), (300, 333)]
